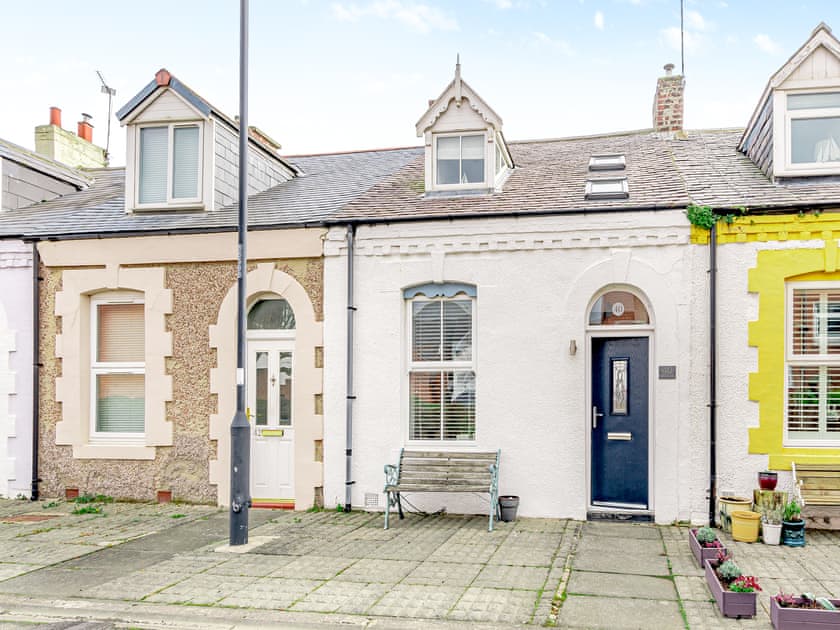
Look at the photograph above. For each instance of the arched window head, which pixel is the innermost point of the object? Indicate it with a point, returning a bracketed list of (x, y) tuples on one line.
[(271, 314), (618, 308)]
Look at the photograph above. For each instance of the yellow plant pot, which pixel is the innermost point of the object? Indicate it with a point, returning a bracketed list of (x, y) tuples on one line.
[(727, 505), (745, 525)]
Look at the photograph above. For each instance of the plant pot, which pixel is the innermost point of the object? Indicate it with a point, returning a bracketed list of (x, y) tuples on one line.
[(793, 533), (700, 552), (71, 493), (797, 618), (508, 505), (745, 525), (735, 605), (771, 533), (767, 480), (727, 505)]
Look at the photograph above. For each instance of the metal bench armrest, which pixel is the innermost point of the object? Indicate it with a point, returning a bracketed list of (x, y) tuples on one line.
[(391, 475)]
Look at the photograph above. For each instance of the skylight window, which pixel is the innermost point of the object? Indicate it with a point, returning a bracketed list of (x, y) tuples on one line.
[(611, 162), (607, 188)]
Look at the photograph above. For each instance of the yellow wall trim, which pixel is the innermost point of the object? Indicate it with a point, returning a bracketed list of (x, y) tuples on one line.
[(783, 227), (767, 386)]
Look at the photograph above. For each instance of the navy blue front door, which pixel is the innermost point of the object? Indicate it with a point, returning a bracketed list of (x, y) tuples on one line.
[(619, 422)]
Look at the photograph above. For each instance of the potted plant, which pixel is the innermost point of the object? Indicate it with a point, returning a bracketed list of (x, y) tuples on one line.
[(771, 527), (704, 544), (734, 592), (793, 525), (788, 612)]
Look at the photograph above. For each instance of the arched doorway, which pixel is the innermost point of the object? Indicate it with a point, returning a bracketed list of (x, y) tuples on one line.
[(270, 384), (619, 328)]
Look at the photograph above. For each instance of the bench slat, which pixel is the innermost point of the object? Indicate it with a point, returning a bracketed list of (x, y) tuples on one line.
[(484, 468), (445, 456), (436, 488), (822, 483)]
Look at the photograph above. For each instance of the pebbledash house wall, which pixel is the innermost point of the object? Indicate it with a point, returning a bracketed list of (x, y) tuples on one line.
[(195, 465), (536, 279), (756, 257)]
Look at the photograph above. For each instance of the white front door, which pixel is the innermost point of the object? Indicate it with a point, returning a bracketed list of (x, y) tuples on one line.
[(270, 394)]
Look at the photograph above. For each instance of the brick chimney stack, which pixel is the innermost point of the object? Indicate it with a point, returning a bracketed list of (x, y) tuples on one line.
[(668, 101), (76, 150)]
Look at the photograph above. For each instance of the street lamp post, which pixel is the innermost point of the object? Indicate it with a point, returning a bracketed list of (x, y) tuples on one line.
[(240, 431)]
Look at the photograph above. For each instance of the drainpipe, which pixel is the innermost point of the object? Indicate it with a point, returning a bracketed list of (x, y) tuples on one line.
[(712, 373), (36, 364), (351, 313)]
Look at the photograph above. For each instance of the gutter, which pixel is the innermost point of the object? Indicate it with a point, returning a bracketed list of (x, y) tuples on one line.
[(351, 313), (36, 366), (712, 373)]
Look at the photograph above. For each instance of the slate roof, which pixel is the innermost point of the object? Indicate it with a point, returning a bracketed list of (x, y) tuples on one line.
[(702, 167), (663, 172), (329, 182), (43, 164)]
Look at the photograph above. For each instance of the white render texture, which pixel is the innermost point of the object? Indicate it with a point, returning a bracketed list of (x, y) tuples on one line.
[(536, 279), (15, 368)]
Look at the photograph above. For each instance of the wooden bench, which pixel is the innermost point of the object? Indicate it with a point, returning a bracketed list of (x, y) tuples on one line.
[(442, 471), (818, 490)]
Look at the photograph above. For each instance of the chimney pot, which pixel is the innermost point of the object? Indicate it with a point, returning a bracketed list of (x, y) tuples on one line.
[(162, 77), (85, 129), (669, 68), (55, 116)]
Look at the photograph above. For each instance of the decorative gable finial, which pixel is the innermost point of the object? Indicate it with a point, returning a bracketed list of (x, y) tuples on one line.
[(458, 80)]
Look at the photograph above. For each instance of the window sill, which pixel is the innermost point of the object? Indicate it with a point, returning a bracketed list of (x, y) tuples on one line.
[(194, 206), (113, 451), (453, 445)]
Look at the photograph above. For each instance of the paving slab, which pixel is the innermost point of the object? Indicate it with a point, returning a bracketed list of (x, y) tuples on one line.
[(417, 601), (603, 612), (354, 598), (634, 563), (495, 605), (370, 570), (512, 577), (613, 585), (621, 530), (443, 574)]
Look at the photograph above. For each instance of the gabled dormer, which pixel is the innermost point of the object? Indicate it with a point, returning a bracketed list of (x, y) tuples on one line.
[(465, 149), (795, 130), (182, 153)]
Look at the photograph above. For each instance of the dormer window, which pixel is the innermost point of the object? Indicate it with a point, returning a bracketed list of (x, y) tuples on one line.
[(169, 164), (814, 129), (460, 159), (466, 152)]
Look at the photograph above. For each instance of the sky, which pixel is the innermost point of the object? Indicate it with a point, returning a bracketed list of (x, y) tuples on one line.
[(328, 76)]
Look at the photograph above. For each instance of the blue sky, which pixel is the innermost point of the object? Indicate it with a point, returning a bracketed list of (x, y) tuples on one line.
[(343, 75)]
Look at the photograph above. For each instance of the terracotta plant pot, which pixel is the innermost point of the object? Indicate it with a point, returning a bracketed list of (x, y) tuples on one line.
[(767, 480), (71, 493), (164, 496), (798, 618), (701, 553), (731, 604)]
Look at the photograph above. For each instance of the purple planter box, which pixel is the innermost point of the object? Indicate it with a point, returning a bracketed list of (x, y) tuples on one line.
[(804, 618), (731, 604), (701, 553)]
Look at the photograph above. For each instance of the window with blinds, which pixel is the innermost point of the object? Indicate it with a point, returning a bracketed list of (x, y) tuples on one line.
[(169, 164), (460, 160), (118, 366), (813, 366), (441, 372)]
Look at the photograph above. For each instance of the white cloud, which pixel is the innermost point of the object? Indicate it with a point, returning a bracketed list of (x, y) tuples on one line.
[(766, 44), (599, 20), (563, 46), (693, 41), (419, 17), (501, 4), (693, 20)]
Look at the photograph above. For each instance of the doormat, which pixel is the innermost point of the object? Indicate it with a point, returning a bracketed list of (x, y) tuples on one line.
[(29, 518), (626, 517), (274, 504)]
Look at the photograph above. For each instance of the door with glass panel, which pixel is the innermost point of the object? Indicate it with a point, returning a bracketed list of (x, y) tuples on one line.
[(270, 384)]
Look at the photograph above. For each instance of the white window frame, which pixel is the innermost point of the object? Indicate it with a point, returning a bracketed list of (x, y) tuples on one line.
[(170, 200), (472, 185), (439, 366), (111, 367), (811, 360), (782, 158)]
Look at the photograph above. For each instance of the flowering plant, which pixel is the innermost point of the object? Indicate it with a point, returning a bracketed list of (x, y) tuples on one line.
[(745, 584)]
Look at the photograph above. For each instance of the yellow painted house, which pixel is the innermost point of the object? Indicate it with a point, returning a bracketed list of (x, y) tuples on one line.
[(778, 284)]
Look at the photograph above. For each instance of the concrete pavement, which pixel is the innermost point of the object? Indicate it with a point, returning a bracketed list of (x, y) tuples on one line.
[(154, 566)]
